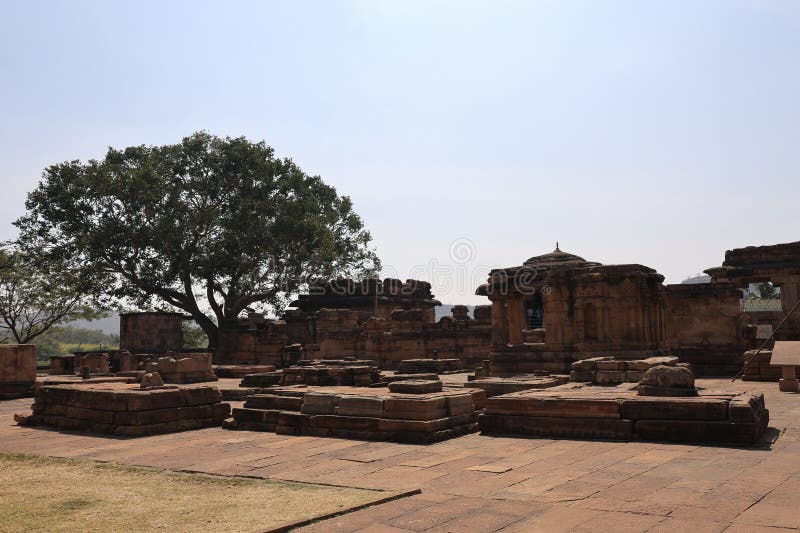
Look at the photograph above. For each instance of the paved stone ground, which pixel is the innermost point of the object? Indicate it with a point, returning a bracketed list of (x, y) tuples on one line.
[(477, 483)]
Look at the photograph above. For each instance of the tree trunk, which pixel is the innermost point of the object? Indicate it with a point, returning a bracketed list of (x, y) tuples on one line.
[(209, 328)]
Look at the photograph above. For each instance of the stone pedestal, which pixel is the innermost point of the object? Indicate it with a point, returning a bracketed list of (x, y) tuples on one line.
[(788, 383)]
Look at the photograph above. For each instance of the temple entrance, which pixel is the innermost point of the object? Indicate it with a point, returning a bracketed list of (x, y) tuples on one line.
[(534, 312)]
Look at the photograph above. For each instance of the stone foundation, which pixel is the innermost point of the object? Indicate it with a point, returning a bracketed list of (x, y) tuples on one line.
[(499, 386), (240, 371), (759, 369), (611, 371), (17, 370), (361, 413), (618, 413), (126, 410), (183, 367), (327, 373)]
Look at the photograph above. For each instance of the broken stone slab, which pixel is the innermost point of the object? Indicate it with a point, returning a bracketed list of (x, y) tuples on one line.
[(610, 364), (415, 386), (151, 380), (650, 362), (588, 364), (665, 380)]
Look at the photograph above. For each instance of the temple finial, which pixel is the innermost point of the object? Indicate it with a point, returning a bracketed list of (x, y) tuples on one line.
[(557, 248)]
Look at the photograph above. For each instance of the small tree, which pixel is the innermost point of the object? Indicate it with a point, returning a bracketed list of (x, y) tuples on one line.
[(209, 226), (36, 295), (767, 290)]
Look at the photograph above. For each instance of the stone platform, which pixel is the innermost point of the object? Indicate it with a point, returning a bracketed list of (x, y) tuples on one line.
[(240, 371), (618, 413), (353, 373), (476, 483), (125, 409), (500, 386), (361, 413)]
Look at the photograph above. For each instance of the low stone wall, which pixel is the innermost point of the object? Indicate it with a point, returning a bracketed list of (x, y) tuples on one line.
[(183, 367), (127, 410), (759, 369), (370, 414), (499, 386), (17, 370), (325, 373), (611, 371)]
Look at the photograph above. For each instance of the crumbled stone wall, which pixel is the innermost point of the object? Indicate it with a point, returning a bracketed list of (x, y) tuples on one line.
[(150, 332), (17, 369)]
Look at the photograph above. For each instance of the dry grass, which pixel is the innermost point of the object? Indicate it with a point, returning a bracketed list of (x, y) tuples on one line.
[(44, 494)]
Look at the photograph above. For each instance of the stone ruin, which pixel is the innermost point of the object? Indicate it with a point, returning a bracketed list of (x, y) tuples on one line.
[(386, 321), (326, 372), (17, 370), (126, 410), (92, 363), (557, 308), (150, 332), (630, 412), (415, 416), (758, 367), (612, 371), (494, 386), (174, 367)]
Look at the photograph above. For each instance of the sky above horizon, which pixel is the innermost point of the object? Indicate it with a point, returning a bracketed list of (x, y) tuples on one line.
[(469, 135)]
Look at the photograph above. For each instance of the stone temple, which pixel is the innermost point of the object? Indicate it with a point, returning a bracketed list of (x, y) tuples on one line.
[(558, 307)]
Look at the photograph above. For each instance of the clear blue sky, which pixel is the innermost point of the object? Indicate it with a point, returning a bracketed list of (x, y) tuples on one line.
[(660, 133)]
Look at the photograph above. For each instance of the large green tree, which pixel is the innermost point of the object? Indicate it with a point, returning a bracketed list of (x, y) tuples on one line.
[(211, 226)]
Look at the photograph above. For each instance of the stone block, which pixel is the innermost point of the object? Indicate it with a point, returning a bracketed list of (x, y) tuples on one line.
[(356, 423), (543, 406), (587, 376), (415, 386), (634, 376), (91, 415), (607, 428), (17, 369), (646, 364), (700, 431), (360, 406), (609, 377), (156, 399), (674, 409), (588, 364), (610, 364), (460, 405), (319, 403), (273, 401)]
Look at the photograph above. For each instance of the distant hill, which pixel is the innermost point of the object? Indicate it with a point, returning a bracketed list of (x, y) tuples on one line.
[(109, 324)]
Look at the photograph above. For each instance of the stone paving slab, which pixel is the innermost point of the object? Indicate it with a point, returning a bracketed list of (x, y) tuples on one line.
[(478, 483)]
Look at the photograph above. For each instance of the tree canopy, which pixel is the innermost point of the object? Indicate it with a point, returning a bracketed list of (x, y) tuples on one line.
[(37, 294), (211, 226)]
